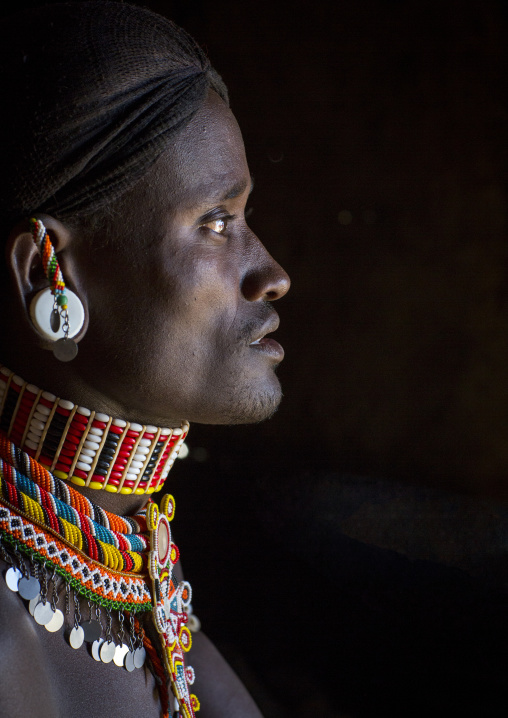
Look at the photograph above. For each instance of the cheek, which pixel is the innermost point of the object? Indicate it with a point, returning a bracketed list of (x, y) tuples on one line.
[(193, 303)]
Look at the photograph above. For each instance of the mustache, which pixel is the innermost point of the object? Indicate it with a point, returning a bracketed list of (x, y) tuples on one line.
[(265, 322)]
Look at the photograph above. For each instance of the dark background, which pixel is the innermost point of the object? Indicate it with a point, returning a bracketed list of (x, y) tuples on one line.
[(349, 556)]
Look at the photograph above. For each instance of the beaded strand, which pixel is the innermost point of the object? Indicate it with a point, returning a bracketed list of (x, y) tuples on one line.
[(85, 447), (49, 262), (60, 539), (115, 550)]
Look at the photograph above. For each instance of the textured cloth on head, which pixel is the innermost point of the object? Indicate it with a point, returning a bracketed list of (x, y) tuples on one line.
[(93, 92)]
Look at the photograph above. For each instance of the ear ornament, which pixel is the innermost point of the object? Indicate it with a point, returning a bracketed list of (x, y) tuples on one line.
[(49, 308)]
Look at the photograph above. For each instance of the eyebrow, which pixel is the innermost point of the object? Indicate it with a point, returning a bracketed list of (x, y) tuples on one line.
[(233, 191), (238, 189)]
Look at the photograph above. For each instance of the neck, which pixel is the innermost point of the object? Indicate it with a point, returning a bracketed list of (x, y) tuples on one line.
[(114, 462)]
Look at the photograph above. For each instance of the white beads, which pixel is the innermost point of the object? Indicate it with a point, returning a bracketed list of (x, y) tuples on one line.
[(91, 445), (40, 416), (44, 410), (82, 466)]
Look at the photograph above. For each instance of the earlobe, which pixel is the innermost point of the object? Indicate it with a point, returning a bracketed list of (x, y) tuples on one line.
[(55, 312)]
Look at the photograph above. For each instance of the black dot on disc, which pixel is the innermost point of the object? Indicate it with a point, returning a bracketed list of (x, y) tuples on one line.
[(29, 587), (65, 349), (92, 630)]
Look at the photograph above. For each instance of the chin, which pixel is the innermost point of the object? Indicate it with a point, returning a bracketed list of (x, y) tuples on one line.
[(246, 406)]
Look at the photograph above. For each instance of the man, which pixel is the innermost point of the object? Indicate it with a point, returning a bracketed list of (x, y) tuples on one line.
[(126, 162)]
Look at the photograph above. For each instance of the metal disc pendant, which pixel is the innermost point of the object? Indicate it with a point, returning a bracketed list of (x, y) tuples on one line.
[(65, 349), (43, 613), (76, 637), (129, 661), (56, 622), (54, 321), (96, 647), (139, 657), (12, 578), (120, 652), (92, 629), (33, 604), (29, 588), (107, 651)]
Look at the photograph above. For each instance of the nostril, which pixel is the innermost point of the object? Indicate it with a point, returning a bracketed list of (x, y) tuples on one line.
[(269, 283)]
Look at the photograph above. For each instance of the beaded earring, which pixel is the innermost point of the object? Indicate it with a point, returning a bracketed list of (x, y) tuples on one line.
[(49, 309)]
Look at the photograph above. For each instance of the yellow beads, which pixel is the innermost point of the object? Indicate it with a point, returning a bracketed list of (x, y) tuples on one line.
[(76, 480)]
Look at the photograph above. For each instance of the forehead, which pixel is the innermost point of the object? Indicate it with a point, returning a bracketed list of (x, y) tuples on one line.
[(206, 162)]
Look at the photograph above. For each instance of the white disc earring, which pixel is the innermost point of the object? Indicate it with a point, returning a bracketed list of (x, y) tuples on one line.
[(46, 320), (49, 308)]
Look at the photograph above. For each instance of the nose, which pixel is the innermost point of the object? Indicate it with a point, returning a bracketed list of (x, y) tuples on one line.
[(265, 279)]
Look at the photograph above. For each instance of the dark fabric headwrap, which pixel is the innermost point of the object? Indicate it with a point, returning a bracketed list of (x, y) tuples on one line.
[(93, 93)]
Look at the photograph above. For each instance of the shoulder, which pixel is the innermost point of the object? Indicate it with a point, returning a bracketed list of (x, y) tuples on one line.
[(25, 687)]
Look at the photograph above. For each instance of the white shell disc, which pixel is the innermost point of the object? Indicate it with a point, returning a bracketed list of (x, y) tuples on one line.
[(12, 577), (56, 622), (129, 662), (107, 651), (96, 647), (32, 605), (76, 637), (43, 613), (139, 657), (120, 652), (41, 308)]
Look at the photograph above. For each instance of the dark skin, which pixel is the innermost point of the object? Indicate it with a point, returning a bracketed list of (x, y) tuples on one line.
[(173, 300)]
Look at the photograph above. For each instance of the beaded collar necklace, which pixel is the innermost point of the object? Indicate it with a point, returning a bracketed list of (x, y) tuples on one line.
[(121, 566), (86, 447)]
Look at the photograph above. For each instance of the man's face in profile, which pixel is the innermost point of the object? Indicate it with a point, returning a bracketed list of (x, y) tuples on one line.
[(179, 301)]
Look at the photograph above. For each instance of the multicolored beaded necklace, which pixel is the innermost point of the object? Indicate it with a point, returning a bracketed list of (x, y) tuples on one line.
[(85, 447), (49, 532)]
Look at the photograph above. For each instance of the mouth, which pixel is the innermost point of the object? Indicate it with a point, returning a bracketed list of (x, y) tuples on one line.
[(267, 345)]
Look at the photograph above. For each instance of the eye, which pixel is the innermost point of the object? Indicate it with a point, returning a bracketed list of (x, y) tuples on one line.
[(218, 226)]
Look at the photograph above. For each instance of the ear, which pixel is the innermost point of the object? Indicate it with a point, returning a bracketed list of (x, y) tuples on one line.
[(25, 267)]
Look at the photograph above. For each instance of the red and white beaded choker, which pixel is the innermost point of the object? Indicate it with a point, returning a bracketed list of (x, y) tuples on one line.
[(86, 447)]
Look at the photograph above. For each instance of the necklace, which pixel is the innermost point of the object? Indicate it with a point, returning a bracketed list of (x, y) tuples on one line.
[(50, 532), (85, 447)]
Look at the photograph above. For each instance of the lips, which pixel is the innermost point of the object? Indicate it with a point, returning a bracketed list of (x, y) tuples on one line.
[(265, 344)]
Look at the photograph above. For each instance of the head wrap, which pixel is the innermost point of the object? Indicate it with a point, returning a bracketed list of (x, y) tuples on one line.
[(92, 94)]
